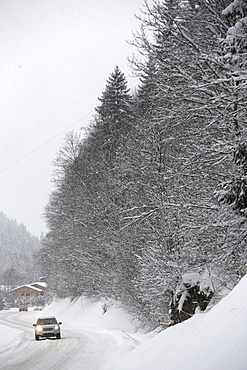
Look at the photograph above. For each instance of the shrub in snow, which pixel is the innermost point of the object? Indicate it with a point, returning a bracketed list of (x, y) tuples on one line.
[(194, 291)]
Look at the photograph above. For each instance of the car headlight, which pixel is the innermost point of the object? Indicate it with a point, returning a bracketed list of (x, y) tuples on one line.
[(39, 328), (56, 327)]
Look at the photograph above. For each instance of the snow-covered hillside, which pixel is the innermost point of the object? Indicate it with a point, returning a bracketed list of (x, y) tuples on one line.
[(209, 341), (17, 247)]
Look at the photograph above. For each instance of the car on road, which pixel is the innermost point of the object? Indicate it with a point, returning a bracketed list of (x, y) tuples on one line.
[(47, 327), (23, 309)]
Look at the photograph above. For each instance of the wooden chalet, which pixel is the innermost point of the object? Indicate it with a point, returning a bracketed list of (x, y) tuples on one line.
[(26, 292)]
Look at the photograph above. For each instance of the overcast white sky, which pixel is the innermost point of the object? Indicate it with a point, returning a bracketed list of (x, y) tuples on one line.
[(55, 58)]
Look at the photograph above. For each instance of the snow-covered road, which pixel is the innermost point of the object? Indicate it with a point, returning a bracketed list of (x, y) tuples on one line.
[(82, 349), (93, 339)]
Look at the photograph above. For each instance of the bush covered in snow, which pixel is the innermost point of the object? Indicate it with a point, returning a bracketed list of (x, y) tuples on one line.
[(194, 291)]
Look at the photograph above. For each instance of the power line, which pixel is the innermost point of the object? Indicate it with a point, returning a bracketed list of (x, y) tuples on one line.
[(42, 145), (48, 141), (69, 106)]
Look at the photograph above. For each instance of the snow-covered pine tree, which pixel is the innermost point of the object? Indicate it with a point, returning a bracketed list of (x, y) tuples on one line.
[(17, 247), (115, 113)]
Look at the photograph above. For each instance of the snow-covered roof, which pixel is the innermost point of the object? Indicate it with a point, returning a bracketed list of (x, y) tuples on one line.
[(34, 286), (40, 283), (27, 286)]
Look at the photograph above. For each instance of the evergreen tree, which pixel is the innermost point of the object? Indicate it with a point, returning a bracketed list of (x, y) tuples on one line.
[(114, 114), (17, 247)]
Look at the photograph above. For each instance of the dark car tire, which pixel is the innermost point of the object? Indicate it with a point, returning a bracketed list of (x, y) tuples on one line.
[(36, 337), (58, 336)]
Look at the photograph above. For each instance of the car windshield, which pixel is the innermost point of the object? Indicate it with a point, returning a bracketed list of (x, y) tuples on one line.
[(48, 321)]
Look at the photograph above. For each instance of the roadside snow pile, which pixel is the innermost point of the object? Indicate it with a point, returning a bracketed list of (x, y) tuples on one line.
[(83, 313), (9, 338), (208, 341)]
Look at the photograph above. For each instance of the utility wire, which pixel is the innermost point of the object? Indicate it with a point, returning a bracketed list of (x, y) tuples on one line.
[(48, 141), (68, 107), (40, 146)]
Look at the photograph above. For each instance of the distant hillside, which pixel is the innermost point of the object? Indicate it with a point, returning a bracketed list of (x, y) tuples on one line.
[(17, 247)]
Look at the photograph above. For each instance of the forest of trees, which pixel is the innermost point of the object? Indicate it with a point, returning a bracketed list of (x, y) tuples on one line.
[(17, 249), (158, 188)]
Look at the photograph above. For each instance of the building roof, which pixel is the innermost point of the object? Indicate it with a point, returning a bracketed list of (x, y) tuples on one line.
[(29, 286), (40, 283)]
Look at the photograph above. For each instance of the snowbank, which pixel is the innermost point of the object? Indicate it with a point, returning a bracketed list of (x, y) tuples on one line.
[(83, 313), (209, 341)]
